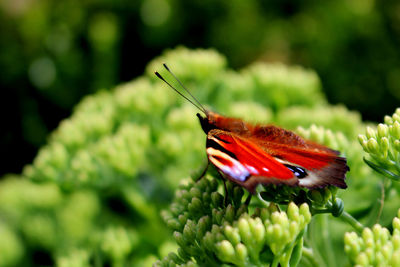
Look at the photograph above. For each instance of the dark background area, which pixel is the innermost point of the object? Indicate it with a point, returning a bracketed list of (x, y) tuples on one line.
[(52, 53)]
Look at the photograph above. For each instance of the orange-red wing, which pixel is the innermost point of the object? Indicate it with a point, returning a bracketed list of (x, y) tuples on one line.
[(251, 161), (241, 161)]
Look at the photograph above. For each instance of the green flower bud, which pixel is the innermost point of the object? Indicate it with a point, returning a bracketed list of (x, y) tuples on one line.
[(395, 261), (305, 212), (241, 252), (179, 239), (225, 250), (257, 229), (183, 254), (232, 234), (277, 232), (337, 207), (396, 145), (217, 216), (362, 259), (189, 231), (396, 117), (244, 230), (367, 235), (183, 218), (237, 195), (208, 241), (370, 133), (395, 129), (396, 242), (372, 146), (362, 138), (377, 231), (195, 192), (396, 223), (293, 212), (370, 254), (202, 226), (195, 207), (294, 229), (316, 196), (387, 252), (173, 224), (230, 213), (242, 209), (383, 130), (217, 199), (388, 120)]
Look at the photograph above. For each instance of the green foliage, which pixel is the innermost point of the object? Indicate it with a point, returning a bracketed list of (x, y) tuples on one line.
[(94, 193)]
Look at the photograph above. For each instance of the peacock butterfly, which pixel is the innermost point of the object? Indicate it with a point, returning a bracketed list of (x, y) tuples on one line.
[(250, 154)]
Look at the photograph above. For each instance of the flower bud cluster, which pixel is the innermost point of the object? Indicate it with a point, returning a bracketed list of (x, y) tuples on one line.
[(383, 146), (375, 246), (336, 118), (206, 229)]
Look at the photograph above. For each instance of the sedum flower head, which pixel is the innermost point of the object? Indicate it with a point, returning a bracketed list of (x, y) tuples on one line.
[(376, 246), (383, 146), (212, 232)]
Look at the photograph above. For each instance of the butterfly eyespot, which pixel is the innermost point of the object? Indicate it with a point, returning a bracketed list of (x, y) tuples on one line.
[(298, 171)]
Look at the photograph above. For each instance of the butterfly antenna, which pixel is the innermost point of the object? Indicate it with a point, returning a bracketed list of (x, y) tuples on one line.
[(181, 84), (173, 88)]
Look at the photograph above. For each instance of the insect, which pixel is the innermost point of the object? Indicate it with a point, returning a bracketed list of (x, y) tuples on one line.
[(251, 154)]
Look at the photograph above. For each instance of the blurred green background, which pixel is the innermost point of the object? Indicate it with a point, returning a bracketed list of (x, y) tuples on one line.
[(52, 53)]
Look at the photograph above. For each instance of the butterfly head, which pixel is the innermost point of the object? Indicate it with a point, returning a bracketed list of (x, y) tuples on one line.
[(207, 122)]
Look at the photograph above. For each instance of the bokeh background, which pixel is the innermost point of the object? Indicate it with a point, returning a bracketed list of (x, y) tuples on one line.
[(52, 53)]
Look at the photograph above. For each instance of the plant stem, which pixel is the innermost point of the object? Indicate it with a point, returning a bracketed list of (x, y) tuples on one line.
[(346, 217)]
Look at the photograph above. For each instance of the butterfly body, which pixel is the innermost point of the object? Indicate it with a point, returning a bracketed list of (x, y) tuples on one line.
[(250, 154)]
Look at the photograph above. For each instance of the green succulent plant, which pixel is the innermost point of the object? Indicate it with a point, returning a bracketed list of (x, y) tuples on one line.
[(94, 192)]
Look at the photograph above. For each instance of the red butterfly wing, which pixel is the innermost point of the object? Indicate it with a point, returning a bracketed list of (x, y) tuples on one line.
[(323, 166), (244, 162), (249, 161)]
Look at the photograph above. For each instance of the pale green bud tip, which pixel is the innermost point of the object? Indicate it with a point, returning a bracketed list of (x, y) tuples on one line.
[(241, 252), (388, 120), (277, 232), (395, 129), (396, 223), (383, 130), (384, 144), (395, 259), (367, 236), (396, 117), (372, 145), (305, 211), (293, 212), (396, 241), (243, 226), (370, 133), (362, 138), (259, 231), (232, 234), (226, 249), (378, 231), (362, 259)]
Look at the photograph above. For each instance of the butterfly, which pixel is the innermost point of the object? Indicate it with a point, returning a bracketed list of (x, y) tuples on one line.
[(252, 154)]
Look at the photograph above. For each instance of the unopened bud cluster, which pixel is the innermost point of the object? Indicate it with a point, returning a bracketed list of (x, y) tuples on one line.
[(207, 228), (383, 146), (376, 246)]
